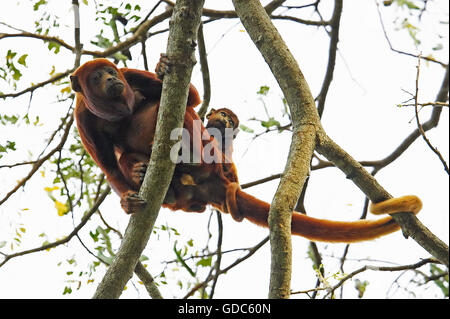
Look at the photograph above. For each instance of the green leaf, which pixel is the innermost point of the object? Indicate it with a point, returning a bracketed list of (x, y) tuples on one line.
[(244, 128), (181, 261), (10, 55), (71, 261), (263, 90), (408, 4), (8, 119), (16, 74), (22, 60), (9, 146), (438, 46), (205, 262), (271, 122), (53, 45), (67, 290), (94, 236), (361, 287)]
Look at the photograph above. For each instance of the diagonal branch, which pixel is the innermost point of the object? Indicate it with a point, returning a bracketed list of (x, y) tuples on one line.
[(41, 161), (67, 238), (419, 125), (305, 123), (182, 35), (334, 39), (32, 88)]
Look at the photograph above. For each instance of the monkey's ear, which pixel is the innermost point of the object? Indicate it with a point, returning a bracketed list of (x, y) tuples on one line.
[(210, 113), (75, 83)]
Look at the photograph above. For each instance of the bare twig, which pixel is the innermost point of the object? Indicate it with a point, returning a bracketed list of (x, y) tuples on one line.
[(419, 125), (66, 239), (251, 251), (334, 39), (218, 254), (41, 161), (399, 51), (32, 88), (377, 268), (205, 74)]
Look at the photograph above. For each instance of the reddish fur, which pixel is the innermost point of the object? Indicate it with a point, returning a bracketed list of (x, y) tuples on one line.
[(257, 212)]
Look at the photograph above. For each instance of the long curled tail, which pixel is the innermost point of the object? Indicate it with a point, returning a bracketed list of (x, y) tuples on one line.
[(257, 211)]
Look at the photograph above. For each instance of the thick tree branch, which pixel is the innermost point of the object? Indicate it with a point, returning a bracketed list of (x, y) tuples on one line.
[(305, 120), (409, 223), (182, 38)]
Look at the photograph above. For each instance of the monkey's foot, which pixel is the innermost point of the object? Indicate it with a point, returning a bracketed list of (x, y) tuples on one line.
[(163, 66), (138, 172), (131, 202)]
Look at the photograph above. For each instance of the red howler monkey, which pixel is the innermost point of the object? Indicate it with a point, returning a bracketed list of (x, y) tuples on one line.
[(116, 114)]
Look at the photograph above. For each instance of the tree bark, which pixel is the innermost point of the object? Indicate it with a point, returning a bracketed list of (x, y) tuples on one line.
[(305, 123), (180, 50)]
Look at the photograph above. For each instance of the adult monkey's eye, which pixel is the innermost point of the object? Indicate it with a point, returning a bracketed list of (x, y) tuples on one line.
[(223, 114), (111, 71), (96, 76)]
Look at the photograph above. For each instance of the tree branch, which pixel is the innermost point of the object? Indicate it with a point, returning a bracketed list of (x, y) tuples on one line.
[(41, 161), (54, 78), (419, 125), (66, 239), (305, 120), (182, 37), (377, 268), (334, 39), (205, 74)]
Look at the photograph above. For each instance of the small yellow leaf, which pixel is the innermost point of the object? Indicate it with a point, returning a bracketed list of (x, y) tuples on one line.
[(51, 189), (67, 90), (61, 208)]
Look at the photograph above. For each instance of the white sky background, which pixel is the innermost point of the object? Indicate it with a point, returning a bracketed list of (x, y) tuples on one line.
[(360, 115)]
